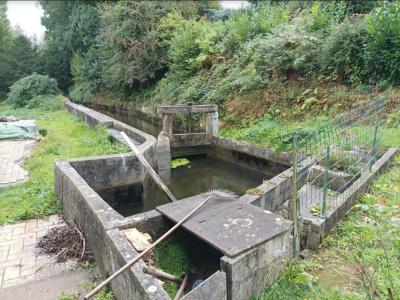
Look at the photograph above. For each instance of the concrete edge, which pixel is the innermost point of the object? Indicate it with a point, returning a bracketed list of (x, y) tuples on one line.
[(253, 150), (318, 227)]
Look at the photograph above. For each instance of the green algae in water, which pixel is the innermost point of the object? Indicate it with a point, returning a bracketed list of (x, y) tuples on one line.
[(179, 162)]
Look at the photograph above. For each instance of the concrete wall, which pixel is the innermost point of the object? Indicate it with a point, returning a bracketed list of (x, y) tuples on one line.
[(213, 287), (282, 158), (99, 223), (248, 273)]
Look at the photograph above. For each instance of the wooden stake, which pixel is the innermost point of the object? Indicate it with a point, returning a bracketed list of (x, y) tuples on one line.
[(134, 260), (149, 169)]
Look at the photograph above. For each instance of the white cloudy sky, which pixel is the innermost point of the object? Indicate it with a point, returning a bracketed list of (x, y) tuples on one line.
[(27, 14)]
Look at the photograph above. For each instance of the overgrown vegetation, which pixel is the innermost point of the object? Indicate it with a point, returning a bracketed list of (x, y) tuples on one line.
[(66, 137), (32, 90), (359, 259)]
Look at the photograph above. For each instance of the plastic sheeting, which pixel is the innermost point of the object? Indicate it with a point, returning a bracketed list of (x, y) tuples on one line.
[(20, 130)]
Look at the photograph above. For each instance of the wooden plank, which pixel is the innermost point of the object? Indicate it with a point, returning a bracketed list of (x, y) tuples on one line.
[(136, 238), (171, 109), (227, 224), (149, 169)]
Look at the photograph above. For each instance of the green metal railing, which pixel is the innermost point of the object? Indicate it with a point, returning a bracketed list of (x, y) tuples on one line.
[(327, 164)]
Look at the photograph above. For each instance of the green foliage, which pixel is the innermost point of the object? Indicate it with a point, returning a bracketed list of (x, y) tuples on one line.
[(383, 43), (57, 48), (326, 12), (393, 119), (247, 24), (19, 57), (26, 89), (289, 51), (342, 54), (84, 25), (173, 259), (192, 45), (47, 102)]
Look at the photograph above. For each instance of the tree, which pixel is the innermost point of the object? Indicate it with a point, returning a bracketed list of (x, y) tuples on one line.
[(5, 44), (57, 49)]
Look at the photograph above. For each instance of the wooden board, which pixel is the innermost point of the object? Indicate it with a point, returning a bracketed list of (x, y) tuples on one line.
[(137, 239), (227, 224)]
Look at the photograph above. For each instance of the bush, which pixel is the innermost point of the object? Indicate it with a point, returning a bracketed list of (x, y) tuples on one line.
[(383, 44), (192, 45), (326, 12), (27, 88), (289, 51), (247, 24), (343, 51), (48, 102)]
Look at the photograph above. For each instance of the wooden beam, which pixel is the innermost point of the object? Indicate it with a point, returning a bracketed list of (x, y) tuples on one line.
[(171, 109), (149, 169)]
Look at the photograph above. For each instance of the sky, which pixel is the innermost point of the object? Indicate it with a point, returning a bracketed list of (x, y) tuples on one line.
[(26, 15)]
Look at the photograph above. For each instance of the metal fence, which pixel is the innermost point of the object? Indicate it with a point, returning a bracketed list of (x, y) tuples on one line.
[(328, 161)]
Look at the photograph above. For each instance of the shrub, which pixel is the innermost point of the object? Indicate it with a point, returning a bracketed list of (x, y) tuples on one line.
[(247, 24), (289, 51), (25, 89), (47, 102), (342, 53), (383, 44), (326, 12), (192, 45)]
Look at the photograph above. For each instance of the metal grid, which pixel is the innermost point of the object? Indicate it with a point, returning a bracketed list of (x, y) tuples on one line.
[(326, 165)]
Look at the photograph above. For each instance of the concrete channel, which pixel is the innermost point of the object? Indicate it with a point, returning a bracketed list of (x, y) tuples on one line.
[(250, 238)]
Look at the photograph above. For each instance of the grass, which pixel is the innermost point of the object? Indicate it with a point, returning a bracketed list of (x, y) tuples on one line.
[(67, 137), (359, 259)]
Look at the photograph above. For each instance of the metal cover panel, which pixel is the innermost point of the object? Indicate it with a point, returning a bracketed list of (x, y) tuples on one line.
[(227, 224)]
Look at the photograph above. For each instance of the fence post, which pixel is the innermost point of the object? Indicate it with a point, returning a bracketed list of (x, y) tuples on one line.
[(326, 170), (294, 207), (374, 145)]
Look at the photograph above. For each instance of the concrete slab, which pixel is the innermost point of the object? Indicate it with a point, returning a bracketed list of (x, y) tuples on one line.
[(70, 282), (12, 155), (227, 224)]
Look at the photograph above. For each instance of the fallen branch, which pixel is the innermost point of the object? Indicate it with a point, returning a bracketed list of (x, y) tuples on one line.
[(161, 274)]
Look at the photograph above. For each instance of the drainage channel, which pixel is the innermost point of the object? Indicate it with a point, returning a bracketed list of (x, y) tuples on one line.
[(202, 174)]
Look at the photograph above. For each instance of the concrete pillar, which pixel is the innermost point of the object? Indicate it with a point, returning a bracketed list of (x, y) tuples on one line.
[(212, 123), (164, 158), (167, 125)]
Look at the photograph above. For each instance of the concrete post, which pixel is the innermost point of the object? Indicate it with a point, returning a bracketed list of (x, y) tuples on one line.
[(215, 123), (167, 125), (212, 124), (164, 158)]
